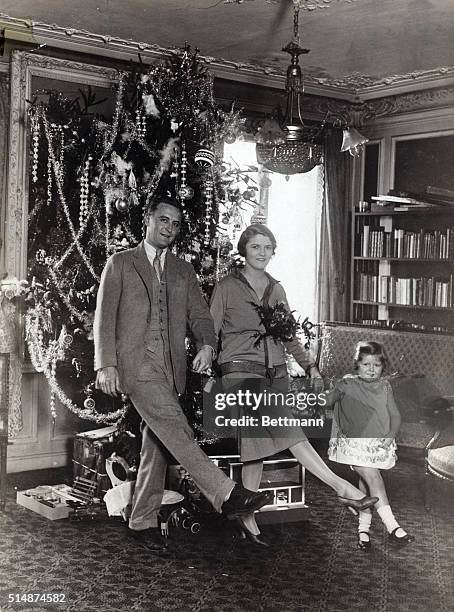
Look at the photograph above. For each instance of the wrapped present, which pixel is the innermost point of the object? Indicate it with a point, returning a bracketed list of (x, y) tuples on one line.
[(91, 449)]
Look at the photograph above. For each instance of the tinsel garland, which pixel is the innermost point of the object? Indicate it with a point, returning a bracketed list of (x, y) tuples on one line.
[(108, 145), (71, 247), (47, 365), (80, 316), (58, 181)]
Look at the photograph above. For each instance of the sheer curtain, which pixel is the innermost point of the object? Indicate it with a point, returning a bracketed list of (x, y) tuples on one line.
[(293, 215)]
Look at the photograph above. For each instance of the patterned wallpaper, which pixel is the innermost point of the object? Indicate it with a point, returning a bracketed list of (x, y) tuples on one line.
[(408, 353)]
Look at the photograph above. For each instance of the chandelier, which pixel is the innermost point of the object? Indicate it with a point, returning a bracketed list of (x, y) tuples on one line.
[(288, 146)]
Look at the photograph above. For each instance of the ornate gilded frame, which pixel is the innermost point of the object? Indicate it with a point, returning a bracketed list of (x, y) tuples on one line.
[(24, 66)]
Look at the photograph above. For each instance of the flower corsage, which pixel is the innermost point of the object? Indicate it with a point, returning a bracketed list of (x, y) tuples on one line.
[(280, 324)]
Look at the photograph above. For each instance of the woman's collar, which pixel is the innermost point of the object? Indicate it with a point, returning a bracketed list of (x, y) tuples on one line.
[(237, 273)]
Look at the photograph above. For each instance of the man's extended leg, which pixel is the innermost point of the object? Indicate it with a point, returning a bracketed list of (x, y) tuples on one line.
[(158, 406), (150, 482)]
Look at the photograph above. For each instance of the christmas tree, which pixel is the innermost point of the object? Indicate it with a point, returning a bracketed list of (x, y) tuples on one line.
[(91, 178)]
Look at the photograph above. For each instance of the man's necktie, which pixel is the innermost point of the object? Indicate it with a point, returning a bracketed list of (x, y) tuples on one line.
[(157, 264)]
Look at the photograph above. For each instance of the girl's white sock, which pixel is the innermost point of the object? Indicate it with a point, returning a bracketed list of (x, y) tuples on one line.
[(365, 519), (387, 516)]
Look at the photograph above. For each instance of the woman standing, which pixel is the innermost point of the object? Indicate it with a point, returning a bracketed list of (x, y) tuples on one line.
[(238, 325)]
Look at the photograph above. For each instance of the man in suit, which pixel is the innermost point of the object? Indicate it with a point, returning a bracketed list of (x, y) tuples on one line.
[(146, 300)]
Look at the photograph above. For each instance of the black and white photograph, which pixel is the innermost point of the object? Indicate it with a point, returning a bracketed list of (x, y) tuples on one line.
[(227, 305)]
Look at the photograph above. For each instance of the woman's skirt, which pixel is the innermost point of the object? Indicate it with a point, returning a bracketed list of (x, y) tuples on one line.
[(269, 429)]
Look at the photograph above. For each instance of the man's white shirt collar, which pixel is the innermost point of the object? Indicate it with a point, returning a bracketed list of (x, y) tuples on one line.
[(151, 253)]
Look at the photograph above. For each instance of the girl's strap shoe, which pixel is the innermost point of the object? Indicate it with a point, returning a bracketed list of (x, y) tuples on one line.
[(406, 539)]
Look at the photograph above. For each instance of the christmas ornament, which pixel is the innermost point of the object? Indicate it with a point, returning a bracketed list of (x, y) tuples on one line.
[(186, 192), (84, 192), (67, 340), (121, 205), (49, 181), (208, 210), (204, 158), (40, 256), (149, 105), (230, 138), (132, 184), (207, 262), (35, 146), (249, 194), (89, 403)]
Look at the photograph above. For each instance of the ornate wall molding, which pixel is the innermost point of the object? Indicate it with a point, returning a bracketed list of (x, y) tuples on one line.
[(4, 116), (24, 66), (416, 101), (362, 113), (367, 87)]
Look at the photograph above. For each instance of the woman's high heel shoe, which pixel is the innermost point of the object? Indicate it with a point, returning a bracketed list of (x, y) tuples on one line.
[(246, 534), (355, 505)]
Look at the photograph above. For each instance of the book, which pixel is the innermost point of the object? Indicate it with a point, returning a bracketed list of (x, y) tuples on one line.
[(403, 200), (426, 198), (440, 191)]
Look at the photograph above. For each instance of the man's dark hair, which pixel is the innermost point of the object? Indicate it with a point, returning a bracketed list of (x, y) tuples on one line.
[(156, 200)]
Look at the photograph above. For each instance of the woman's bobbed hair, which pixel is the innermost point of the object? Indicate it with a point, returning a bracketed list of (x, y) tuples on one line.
[(251, 231)]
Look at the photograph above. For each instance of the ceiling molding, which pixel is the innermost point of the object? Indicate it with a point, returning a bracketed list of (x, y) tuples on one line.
[(354, 88), (309, 5), (82, 41)]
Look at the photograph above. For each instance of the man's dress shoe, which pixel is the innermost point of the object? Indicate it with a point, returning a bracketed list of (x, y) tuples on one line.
[(242, 501), (150, 539)]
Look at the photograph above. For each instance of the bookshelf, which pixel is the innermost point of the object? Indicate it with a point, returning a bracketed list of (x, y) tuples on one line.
[(402, 267)]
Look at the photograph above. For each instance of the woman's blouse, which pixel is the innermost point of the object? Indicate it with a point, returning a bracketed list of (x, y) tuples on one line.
[(236, 323)]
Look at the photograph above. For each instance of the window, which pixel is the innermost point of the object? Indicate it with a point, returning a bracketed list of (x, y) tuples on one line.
[(292, 208)]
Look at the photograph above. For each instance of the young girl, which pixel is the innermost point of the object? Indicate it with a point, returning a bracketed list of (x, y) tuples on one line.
[(366, 421)]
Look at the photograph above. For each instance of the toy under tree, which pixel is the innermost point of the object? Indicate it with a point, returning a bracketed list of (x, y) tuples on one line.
[(92, 177)]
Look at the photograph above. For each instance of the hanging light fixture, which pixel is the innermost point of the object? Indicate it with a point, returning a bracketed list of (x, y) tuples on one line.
[(289, 147), (353, 141)]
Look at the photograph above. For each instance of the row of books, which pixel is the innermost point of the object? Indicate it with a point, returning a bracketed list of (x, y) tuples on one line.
[(404, 325), (435, 244), (424, 291)]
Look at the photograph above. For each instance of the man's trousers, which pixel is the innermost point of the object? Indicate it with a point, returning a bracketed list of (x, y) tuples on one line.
[(166, 427)]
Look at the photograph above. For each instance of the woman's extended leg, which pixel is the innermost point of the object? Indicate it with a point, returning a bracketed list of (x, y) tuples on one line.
[(251, 475), (306, 454)]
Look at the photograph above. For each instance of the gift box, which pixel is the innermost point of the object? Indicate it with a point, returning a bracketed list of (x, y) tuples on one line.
[(91, 449), (48, 501), (284, 476)]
